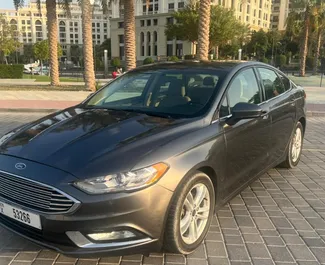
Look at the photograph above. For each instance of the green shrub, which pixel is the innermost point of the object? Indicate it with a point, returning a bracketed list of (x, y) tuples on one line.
[(264, 60), (309, 62), (189, 57), (280, 60), (116, 62), (173, 58), (14, 71), (148, 60)]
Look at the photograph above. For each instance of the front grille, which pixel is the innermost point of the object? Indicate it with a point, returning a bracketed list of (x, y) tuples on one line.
[(33, 195)]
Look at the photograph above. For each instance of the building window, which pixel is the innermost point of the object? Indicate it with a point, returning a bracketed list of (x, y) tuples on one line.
[(170, 20), (120, 25), (144, 9), (121, 50), (171, 6), (98, 25), (169, 49), (105, 37), (23, 22), (71, 24), (248, 9), (276, 9), (105, 25), (259, 14), (181, 5), (142, 43), (28, 22), (71, 36), (156, 7), (155, 22), (76, 36), (141, 23), (148, 22), (98, 36), (93, 24), (94, 36), (275, 18), (76, 24), (76, 30), (254, 12), (247, 18), (121, 39)]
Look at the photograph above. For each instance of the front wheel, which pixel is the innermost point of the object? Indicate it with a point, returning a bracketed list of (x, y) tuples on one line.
[(190, 214), (295, 148)]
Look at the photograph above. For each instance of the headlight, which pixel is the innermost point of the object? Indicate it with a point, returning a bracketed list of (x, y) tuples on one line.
[(123, 181)]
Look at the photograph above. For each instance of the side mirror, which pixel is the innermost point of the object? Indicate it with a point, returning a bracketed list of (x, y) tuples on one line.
[(242, 111)]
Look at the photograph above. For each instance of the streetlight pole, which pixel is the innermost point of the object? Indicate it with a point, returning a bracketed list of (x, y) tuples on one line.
[(105, 63)]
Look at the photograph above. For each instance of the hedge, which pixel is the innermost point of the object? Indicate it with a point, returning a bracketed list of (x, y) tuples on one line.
[(14, 71)]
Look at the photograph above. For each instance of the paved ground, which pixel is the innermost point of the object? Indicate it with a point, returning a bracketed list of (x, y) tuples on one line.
[(279, 219)]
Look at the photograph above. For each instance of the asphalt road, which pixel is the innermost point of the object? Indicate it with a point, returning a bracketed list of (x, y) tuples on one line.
[(279, 219)]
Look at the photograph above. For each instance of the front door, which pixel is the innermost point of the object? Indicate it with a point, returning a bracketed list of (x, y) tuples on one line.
[(248, 141), (282, 106)]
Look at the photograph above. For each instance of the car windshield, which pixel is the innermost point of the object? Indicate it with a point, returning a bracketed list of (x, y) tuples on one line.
[(175, 93)]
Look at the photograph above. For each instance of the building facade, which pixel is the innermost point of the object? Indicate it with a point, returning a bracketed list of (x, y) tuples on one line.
[(31, 24), (151, 20), (280, 11)]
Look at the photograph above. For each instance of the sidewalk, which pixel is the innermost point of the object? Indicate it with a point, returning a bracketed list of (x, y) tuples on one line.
[(49, 101)]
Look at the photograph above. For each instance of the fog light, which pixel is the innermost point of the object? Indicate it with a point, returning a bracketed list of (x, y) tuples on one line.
[(115, 235)]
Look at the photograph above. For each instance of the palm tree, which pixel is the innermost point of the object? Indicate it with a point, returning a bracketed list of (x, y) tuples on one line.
[(307, 6), (129, 34), (319, 26), (88, 53), (52, 27), (204, 29)]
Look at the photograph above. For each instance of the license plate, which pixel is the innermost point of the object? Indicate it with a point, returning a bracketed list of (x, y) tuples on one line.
[(20, 215)]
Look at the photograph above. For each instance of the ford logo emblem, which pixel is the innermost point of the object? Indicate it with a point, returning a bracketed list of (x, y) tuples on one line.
[(20, 166)]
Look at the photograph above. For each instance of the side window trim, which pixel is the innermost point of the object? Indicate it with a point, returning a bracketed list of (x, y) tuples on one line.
[(283, 76), (264, 93), (216, 116)]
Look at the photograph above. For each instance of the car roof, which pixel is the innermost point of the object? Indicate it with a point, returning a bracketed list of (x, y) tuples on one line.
[(216, 65)]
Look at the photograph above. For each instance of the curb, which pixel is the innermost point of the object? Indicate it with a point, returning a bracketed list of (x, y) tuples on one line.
[(31, 110)]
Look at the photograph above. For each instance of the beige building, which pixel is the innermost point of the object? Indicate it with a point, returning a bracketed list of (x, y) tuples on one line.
[(280, 11), (31, 25), (151, 20)]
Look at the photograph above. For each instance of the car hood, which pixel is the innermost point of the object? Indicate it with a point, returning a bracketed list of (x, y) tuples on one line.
[(88, 142)]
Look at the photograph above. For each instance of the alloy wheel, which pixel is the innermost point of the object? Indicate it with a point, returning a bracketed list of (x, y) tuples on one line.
[(195, 213)]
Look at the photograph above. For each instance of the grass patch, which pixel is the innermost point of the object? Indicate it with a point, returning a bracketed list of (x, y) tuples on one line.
[(45, 78)]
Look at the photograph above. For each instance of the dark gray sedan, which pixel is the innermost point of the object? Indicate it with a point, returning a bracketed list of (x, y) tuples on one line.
[(145, 162)]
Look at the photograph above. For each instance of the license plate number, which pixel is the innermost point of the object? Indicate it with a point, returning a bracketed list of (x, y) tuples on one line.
[(21, 215)]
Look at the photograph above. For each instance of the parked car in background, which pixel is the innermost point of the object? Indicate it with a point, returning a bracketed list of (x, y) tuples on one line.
[(144, 163)]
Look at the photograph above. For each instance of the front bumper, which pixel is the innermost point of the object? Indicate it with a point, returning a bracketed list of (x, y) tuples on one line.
[(143, 212)]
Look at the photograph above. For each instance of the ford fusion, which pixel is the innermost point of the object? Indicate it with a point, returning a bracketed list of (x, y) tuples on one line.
[(142, 164)]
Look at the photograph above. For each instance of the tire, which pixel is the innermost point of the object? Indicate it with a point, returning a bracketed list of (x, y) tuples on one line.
[(183, 243), (292, 160)]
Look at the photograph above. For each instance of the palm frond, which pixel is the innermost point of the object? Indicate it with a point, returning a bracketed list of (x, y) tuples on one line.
[(65, 5), (18, 3)]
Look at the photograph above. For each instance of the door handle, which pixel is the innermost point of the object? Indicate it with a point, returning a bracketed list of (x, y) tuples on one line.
[(265, 114)]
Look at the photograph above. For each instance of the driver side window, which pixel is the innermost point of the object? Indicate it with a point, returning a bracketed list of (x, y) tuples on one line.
[(243, 88)]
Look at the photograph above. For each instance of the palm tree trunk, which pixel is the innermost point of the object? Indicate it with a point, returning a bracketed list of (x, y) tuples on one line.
[(129, 33), (304, 45), (52, 28), (88, 45), (204, 29), (318, 44)]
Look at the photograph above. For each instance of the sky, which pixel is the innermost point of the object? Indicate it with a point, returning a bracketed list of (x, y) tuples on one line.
[(6, 4)]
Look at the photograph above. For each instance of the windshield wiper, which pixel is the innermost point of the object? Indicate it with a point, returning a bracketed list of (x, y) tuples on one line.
[(149, 113)]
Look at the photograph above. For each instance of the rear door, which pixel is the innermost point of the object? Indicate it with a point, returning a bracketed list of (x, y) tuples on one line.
[(282, 109), (248, 141)]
